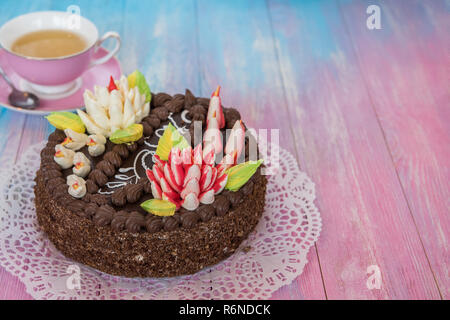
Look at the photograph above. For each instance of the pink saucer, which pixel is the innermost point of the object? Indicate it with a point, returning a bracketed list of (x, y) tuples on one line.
[(97, 75)]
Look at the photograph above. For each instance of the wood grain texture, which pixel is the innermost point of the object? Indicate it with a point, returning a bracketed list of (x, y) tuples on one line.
[(410, 94), (236, 51), (341, 145), (366, 113)]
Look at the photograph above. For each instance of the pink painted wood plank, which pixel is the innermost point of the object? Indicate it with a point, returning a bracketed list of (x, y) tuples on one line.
[(409, 89), (236, 50), (366, 219)]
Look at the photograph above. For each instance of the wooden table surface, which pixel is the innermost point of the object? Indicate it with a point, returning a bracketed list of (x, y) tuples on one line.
[(365, 112)]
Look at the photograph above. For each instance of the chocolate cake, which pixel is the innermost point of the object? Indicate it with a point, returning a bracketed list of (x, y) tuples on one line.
[(92, 207)]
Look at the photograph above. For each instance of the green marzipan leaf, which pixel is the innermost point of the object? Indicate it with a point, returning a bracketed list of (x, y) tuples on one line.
[(138, 79), (159, 207), (171, 138), (238, 175), (66, 120), (130, 134)]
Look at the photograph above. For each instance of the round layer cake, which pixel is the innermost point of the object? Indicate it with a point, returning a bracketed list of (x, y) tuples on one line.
[(107, 228)]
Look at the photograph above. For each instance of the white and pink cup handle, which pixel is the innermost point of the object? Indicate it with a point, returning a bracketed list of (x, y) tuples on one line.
[(107, 35)]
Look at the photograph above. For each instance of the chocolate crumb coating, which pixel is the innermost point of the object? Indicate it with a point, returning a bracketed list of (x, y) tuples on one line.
[(114, 158), (247, 188), (57, 136), (196, 248), (133, 192), (50, 174), (50, 166), (119, 197), (55, 183), (121, 150)]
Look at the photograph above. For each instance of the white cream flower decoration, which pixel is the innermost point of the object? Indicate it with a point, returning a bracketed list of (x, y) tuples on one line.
[(82, 165), (108, 111), (77, 186), (96, 144), (74, 140), (63, 156)]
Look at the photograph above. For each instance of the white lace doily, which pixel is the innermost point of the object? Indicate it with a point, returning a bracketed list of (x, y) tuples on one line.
[(289, 227)]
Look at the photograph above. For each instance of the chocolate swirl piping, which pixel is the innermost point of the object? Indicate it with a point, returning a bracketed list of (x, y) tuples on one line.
[(90, 209), (159, 99), (91, 186), (153, 224), (114, 158), (189, 219), (132, 147), (119, 197), (119, 220), (170, 223), (189, 99), (135, 222), (222, 205), (206, 212), (104, 215), (153, 120), (98, 177), (107, 167), (133, 192), (121, 150)]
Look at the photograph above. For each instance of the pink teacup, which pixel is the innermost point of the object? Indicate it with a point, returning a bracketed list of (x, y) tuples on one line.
[(54, 77)]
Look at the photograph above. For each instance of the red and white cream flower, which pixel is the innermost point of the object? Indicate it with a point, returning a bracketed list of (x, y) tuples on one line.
[(190, 176)]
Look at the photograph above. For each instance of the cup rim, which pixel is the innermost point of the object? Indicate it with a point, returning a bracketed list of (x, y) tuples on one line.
[(46, 59)]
